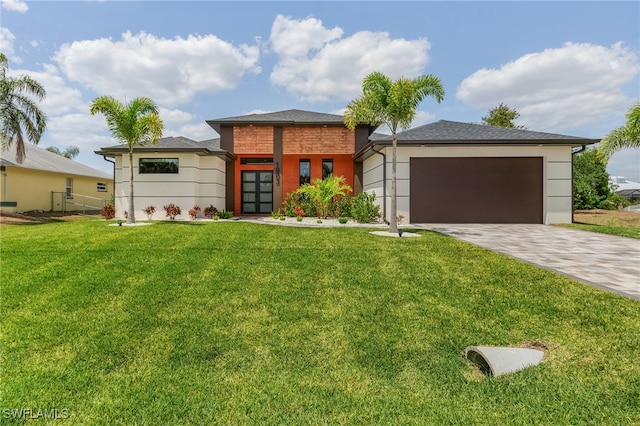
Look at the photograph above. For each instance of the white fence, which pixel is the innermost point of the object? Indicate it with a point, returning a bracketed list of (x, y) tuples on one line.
[(64, 202)]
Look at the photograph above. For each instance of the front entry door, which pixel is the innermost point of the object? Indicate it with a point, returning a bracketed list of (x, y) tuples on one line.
[(257, 192)]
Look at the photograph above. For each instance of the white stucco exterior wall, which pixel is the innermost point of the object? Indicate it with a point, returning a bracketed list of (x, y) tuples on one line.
[(200, 181), (557, 174)]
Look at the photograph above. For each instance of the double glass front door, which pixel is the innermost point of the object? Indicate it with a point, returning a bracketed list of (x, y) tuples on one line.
[(257, 192)]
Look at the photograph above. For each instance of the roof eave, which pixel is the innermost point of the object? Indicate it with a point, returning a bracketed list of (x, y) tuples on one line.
[(472, 142)]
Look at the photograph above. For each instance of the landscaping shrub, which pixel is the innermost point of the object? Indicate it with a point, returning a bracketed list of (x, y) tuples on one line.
[(172, 211), (149, 211), (341, 206), (363, 209), (323, 192), (193, 213), (343, 219), (108, 211), (210, 212), (224, 214), (295, 199)]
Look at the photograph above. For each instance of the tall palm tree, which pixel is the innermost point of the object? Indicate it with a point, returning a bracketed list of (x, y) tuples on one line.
[(393, 103), (135, 123), (627, 136), (19, 113)]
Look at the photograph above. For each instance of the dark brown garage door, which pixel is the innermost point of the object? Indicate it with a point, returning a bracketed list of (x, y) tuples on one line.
[(476, 190)]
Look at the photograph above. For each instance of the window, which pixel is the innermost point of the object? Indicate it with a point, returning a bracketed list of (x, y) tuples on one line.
[(327, 167), (158, 165), (305, 172), (256, 160), (102, 187), (69, 189)]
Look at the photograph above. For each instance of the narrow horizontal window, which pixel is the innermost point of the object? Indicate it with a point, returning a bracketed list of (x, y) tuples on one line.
[(102, 187), (249, 160), (158, 165)]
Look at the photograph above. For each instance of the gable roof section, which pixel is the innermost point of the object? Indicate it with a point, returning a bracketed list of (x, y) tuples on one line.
[(171, 144), (43, 160), (290, 116)]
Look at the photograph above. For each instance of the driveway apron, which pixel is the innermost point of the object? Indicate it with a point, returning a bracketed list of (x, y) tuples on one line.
[(605, 261)]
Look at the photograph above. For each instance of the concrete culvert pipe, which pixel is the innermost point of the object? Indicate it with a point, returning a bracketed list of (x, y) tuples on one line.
[(496, 361)]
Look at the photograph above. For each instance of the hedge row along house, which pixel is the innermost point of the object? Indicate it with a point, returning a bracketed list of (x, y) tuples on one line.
[(447, 172)]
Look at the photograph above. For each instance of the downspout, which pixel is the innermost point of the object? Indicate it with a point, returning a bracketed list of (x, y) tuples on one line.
[(384, 184), (572, 178)]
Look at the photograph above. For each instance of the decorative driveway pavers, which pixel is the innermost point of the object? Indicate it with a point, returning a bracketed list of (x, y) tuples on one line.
[(605, 261)]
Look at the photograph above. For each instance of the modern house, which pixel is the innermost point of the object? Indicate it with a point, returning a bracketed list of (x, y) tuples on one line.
[(50, 182), (446, 171), (176, 170)]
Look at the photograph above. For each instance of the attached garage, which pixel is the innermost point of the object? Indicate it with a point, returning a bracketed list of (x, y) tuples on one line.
[(476, 190), (451, 172)]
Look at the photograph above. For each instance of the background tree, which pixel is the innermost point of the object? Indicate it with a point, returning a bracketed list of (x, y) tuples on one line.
[(135, 123), (502, 116), (627, 136), (19, 113), (393, 103), (591, 188), (70, 153)]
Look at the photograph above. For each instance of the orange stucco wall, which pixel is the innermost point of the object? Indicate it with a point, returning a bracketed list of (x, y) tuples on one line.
[(342, 166), (314, 143)]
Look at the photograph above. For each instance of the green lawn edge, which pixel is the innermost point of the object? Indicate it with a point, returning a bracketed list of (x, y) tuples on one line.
[(241, 323)]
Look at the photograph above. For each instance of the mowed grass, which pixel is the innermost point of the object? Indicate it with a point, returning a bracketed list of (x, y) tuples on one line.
[(614, 222), (240, 323)]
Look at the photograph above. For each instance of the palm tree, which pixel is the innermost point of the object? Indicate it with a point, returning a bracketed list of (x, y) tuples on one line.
[(135, 123), (70, 153), (627, 136), (393, 103), (19, 113)]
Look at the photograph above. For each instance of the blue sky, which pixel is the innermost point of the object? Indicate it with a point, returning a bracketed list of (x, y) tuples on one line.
[(567, 67)]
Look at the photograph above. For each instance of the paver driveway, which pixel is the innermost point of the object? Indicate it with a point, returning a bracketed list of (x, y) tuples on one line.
[(605, 261)]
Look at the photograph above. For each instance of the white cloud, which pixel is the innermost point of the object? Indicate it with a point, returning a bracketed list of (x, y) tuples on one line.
[(15, 5), (319, 64), (174, 117), (555, 89), (181, 123), (170, 72), (196, 131), (60, 99), (6, 45)]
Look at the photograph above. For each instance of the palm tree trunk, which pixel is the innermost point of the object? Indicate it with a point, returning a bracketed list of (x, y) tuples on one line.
[(393, 223), (130, 213)]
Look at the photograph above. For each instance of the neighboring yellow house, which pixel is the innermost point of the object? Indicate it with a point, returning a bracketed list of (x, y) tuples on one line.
[(50, 182)]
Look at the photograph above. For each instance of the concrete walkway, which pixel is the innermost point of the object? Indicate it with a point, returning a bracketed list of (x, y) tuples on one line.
[(605, 261)]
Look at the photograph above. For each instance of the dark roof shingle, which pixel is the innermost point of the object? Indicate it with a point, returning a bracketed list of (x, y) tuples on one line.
[(170, 144), (290, 116), (444, 131)]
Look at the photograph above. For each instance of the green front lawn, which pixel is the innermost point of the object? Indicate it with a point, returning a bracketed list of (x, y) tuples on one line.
[(239, 323), (621, 231)]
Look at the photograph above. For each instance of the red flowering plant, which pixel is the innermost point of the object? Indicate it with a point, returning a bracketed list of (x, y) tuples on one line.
[(298, 211)]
